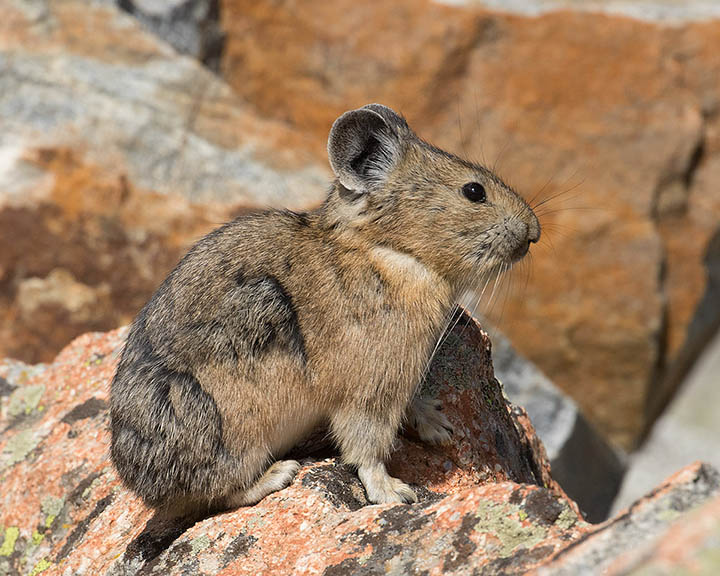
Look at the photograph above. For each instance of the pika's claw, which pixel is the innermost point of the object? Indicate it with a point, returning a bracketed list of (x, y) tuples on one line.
[(431, 425), (382, 488)]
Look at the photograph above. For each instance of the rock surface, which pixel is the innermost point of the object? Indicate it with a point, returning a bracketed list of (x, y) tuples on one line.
[(190, 26), (689, 430), (487, 501), (688, 546), (665, 11), (620, 114), (483, 499), (625, 540), (583, 463), (115, 155)]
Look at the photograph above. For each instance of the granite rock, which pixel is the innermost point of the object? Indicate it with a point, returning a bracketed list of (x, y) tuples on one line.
[(485, 500), (190, 26), (487, 503), (588, 468)]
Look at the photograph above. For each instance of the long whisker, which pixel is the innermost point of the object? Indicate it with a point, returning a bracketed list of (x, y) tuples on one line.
[(491, 300), (557, 195), (544, 186), (446, 324), (546, 212)]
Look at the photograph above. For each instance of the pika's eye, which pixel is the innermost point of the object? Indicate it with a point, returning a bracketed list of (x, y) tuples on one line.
[(474, 192)]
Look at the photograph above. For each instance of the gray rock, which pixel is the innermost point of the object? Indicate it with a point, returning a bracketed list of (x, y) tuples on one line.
[(190, 26), (131, 103), (582, 462), (669, 11), (688, 431), (602, 551)]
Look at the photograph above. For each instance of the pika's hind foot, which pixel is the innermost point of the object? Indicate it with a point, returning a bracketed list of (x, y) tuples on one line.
[(431, 425), (382, 488), (280, 475)]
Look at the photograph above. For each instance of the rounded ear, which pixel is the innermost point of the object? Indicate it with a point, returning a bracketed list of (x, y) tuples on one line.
[(391, 117), (363, 148)]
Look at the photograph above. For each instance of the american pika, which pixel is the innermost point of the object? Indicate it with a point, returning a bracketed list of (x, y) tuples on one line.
[(279, 322)]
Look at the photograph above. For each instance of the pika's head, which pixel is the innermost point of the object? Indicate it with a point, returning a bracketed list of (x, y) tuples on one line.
[(453, 215)]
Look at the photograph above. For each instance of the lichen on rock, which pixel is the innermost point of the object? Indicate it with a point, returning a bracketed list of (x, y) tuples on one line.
[(487, 502)]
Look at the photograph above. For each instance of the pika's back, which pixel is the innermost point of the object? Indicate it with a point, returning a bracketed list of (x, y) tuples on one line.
[(227, 284)]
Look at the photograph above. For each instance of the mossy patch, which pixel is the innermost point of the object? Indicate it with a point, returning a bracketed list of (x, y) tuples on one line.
[(51, 507), (25, 399), (566, 519), (41, 566), (200, 543), (36, 538), (18, 447), (8, 545), (503, 522)]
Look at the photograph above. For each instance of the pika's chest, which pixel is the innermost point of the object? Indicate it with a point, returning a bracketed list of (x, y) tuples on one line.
[(407, 284)]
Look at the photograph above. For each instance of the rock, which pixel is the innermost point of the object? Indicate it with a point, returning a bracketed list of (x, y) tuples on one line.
[(687, 546), (665, 11), (583, 463), (614, 119), (189, 26), (61, 302), (115, 155), (626, 539), (688, 430), (487, 502)]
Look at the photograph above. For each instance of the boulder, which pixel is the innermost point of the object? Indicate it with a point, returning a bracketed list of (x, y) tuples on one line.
[(583, 463), (688, 545), (190, 26), (487, 498), (625, 543), (487, 502), (612, 122), (116, 153)]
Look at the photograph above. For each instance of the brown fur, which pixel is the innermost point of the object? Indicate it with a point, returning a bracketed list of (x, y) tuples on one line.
[(278, 322)]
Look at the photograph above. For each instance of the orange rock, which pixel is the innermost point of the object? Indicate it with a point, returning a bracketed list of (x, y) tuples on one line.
[(490, 491), (487, 501)]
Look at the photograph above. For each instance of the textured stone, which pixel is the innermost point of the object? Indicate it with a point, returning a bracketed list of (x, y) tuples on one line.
[(487, 499), (589, 470), (689, 430), (608, 547), (115, 155), (487, 503), (189, 26), (665, 11), (688, 546), (620, 115)]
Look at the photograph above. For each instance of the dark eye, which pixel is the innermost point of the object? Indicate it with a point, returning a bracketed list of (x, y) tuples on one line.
[(474, 192)]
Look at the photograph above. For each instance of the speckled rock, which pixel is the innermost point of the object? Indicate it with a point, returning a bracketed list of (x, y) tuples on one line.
[(691, 545), (487, 502), (639, 539)]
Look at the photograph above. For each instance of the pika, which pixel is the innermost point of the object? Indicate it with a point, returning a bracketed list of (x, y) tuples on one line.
[(279, 322)]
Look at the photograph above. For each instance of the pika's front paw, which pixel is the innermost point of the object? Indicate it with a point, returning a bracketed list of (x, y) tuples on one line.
[(382, 488), (431, 425)]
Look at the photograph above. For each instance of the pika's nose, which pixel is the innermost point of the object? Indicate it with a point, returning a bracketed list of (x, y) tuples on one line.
[(533, 229)]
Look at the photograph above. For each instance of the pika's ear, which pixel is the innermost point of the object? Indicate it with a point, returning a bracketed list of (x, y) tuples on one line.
[(391, 117), (363, 148)]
